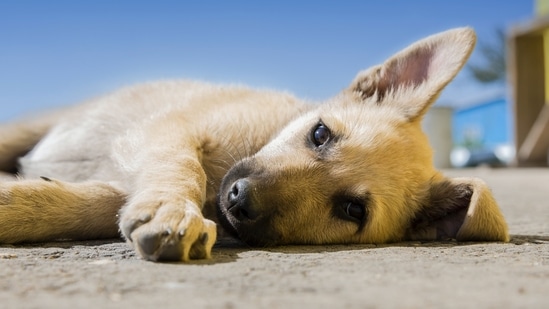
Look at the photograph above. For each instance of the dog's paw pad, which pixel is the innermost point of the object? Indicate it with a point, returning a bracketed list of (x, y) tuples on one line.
[(149, 242), (168, 231), (154, 242), (161, 245)]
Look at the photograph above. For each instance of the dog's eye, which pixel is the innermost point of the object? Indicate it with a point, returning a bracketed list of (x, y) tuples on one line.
[(321, 134), (351, 207), (354, 210)]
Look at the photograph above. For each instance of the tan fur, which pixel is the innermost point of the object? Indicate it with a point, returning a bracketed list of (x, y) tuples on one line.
[(47, 209), (168, 156)]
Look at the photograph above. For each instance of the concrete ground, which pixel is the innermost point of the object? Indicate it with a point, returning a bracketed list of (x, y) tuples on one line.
[(107, 274)]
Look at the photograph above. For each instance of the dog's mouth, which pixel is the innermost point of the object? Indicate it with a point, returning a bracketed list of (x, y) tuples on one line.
[(224, 218)]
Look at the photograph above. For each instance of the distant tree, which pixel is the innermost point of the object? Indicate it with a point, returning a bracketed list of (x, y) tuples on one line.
[(493, 68)]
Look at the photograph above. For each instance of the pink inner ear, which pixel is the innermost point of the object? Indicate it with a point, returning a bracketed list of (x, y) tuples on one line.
[(414, 77), (410, 70), (434, 60), (414, 69)]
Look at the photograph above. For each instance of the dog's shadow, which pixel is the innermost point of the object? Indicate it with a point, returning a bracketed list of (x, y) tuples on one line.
[(228, 250)]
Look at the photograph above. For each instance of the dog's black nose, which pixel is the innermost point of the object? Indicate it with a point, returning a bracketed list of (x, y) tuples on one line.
[(240, 200)]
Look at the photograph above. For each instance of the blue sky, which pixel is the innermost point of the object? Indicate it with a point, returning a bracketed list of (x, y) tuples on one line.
[(55, 53)]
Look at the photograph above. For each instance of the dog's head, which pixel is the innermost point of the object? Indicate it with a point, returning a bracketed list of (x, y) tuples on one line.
[(358, 169)]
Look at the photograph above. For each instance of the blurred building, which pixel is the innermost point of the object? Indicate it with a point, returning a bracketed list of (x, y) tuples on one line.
[(482, 134), (484, 125), (437, 124), (528, 73)]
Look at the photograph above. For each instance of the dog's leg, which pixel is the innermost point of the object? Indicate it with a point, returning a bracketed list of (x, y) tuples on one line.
[(19, 137), (163, 218), (47, 209)]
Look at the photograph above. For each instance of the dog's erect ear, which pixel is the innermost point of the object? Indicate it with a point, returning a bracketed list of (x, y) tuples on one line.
[(418, 73), (462, 209)]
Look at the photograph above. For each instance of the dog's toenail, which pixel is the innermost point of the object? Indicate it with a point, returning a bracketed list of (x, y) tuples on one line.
[(45, 178), (167, 232), (181, 233)]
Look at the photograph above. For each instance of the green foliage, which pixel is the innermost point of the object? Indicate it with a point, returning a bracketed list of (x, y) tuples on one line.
[(493, 68)]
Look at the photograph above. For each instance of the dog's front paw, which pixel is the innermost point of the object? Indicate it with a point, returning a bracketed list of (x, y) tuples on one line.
[(168, 231)]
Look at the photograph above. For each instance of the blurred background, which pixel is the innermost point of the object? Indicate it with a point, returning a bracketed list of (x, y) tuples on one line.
[(54, 53)]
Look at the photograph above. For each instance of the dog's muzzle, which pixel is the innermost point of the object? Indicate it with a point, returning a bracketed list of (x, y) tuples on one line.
[(242, 210)]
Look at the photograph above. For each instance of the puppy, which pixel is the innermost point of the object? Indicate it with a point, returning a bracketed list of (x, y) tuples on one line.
[(161, 162)]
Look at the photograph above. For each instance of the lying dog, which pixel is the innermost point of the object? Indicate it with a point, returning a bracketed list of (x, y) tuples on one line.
[(158, 162)]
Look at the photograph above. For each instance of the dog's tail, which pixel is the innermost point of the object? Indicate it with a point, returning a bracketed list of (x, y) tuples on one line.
[(19, 137)]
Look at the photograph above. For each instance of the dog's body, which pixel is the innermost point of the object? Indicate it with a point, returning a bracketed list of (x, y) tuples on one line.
[(168, 156)]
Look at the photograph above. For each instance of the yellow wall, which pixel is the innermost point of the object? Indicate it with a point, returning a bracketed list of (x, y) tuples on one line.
[(546, 62), (542, 8)]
